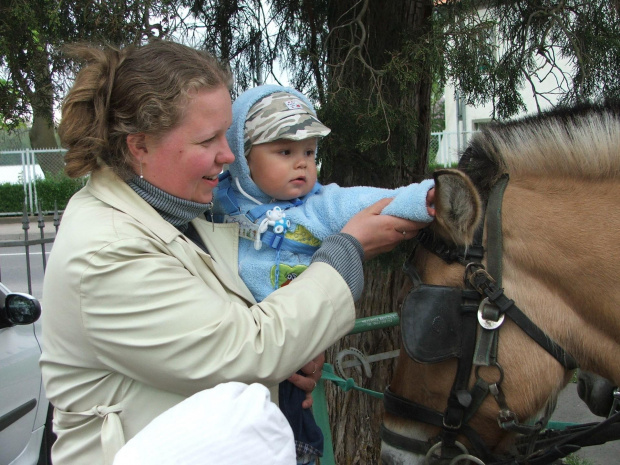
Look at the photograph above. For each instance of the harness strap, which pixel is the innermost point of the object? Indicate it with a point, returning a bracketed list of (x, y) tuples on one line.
[(481, 281), (486, 348), (403, 442), (494, 229), (404, 408), (448, 254), (552, 447), (227, 200)]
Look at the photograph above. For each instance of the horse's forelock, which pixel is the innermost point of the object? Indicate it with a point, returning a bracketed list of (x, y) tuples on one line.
[(581, 141)]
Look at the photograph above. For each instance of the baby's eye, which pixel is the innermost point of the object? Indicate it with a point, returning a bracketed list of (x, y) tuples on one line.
[(284, 152), (310, 153)]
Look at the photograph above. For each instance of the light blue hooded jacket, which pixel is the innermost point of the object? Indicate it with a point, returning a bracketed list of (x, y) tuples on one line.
[(322, 212)]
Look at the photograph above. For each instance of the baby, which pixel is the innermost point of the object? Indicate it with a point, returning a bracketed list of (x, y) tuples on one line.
[(271, 191)]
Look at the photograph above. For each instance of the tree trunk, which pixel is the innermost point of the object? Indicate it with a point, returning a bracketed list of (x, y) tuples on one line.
[(355, 417), (380, 135), (42, 133)]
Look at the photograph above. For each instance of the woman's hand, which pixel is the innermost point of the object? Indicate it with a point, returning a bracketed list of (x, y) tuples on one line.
[(312, 371), (380, 233)]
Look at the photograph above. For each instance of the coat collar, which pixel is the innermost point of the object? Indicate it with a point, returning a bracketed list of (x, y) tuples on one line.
[(105, 185), (109, 188)]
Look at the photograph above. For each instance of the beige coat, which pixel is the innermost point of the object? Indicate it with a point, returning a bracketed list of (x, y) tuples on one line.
[(136, 318)]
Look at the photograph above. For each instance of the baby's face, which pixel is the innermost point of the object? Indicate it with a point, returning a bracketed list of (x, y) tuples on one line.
[(284, 169)]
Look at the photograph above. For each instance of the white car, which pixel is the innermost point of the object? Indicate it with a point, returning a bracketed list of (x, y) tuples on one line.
[(25, 414)]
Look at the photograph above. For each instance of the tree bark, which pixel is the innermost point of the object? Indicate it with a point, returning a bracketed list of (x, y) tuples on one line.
[(42, 133), (355, 417), (380, 136)]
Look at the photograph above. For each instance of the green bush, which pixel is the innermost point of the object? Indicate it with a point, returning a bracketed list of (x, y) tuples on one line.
[(55, 191), (52, 192), (11, 197)]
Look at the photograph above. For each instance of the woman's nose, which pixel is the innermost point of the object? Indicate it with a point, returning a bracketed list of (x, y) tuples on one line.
[(226, 156)]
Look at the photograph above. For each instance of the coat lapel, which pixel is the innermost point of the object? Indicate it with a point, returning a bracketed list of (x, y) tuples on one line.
[(222, 240)]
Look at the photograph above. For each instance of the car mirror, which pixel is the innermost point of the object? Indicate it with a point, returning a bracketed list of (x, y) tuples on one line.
[(21, 309)]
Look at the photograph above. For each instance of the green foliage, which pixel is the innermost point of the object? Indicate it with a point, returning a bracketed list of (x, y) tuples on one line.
[(432, 166), (56, 191), (52, 192), (15, 139), (33, 33), (575, 460), (496, 51), (11, 198)]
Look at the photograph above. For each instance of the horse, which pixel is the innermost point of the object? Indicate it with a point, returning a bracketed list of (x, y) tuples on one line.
[(514, 286)]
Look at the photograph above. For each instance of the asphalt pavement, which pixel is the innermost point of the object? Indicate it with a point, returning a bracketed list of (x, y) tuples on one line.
[(572, 409)]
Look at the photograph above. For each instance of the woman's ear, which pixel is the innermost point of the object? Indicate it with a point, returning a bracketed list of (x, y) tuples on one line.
[(137, 145)]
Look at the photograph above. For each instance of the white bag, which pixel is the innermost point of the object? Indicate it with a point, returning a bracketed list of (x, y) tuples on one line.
[(233, 423)]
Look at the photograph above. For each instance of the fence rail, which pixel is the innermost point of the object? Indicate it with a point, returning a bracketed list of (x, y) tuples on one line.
[(27, 243)]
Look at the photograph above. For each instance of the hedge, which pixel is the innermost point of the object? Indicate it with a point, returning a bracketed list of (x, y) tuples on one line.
[(52, 192)]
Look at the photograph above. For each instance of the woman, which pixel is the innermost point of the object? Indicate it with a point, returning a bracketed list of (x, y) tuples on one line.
[(143, 303)]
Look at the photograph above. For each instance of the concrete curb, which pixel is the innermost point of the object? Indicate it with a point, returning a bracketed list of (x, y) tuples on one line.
[(12, 229)]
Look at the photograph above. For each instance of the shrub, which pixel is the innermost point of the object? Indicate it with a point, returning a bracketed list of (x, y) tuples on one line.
[(11, 197), (52, 192), (55, 191)]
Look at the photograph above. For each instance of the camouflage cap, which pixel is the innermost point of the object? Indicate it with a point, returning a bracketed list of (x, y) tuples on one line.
[(281, 115)]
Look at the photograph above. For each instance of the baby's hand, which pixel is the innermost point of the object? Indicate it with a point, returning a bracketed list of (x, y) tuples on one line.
[(430, 202)]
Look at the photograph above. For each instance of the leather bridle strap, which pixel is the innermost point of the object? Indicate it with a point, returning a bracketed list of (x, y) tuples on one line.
[(486, 285), (489, 282), (493, 214), (405, 408)]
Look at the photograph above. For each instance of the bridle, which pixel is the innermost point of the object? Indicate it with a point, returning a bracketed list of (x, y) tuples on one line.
[(441, 322)]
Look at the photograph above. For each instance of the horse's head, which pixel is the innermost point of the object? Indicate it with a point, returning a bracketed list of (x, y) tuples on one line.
[(488, 326)]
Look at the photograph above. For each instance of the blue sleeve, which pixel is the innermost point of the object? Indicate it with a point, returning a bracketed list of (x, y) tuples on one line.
[(331, 208)]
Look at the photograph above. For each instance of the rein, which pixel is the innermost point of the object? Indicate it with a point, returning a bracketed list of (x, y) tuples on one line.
[(481, 302)]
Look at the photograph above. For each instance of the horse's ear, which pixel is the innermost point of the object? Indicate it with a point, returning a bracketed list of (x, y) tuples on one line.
[(457, 206)]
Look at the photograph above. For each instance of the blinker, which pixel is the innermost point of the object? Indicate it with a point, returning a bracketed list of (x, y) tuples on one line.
[(430, 323)]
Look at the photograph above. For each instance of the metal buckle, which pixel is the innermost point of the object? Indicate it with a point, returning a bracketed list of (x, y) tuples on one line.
[(488, 323)]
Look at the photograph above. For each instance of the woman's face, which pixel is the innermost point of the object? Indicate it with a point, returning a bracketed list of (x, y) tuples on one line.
[(186, 161)]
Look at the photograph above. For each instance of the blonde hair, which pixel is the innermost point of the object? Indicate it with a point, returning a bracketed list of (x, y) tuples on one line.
[(133, 90)]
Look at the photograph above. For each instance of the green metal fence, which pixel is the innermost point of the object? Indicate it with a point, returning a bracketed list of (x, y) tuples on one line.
[(319, 408)]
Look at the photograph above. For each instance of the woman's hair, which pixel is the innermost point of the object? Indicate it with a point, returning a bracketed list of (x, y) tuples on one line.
[(133, 90)]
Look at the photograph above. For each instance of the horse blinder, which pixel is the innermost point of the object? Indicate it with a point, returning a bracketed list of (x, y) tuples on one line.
[(431, 322)]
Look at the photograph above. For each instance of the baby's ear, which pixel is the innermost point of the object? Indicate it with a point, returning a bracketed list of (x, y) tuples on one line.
[(457, 206)]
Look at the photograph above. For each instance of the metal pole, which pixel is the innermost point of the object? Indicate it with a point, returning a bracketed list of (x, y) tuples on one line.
[(458, 122), (24, 178), (56, 217), (375, 322), (25, 227), (41, 223)]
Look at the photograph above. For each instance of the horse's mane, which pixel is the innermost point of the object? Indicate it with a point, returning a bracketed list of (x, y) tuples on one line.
[(580, 141)]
